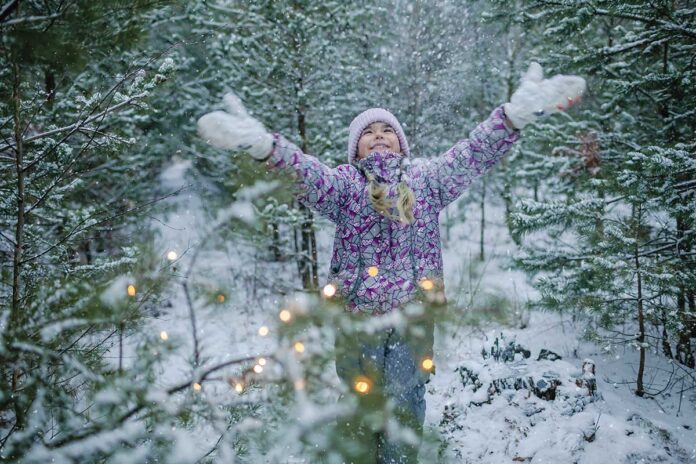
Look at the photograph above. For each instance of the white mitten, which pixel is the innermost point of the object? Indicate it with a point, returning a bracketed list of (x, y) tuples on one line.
[(235, 130), (537, 96)]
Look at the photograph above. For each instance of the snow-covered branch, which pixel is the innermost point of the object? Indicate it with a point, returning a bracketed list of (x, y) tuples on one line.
[(78, 125), (31, 19), (91, 221), (8, 8), (94, 430)]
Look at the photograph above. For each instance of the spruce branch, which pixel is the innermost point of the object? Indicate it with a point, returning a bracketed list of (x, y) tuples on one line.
[(81, 227), (72, 128), (200, 378)]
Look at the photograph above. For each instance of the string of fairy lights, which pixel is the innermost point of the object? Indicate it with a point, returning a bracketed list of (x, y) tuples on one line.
[(361, 383)]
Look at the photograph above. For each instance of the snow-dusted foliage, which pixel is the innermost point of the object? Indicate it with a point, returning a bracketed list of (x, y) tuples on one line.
[(73, 178), (159, 300), (610, 232)]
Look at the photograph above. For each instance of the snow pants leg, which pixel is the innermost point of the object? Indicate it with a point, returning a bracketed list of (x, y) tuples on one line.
[(391, 363)]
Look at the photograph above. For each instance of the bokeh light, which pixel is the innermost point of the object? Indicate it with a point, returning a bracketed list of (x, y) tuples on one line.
[(362, 384), (427, 284), (329, 290)]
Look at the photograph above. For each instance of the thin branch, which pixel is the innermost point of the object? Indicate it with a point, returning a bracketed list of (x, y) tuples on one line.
[(7, 238), (136, 409), (8, 9), (77, 229), (31, 19), (61, 176), (74, 127)]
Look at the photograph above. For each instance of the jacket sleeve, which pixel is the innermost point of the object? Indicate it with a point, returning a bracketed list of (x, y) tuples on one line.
[(320, 187), (452, 172)]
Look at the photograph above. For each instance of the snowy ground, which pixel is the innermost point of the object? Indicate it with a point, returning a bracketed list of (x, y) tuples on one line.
[(514, 427), (517, 426)]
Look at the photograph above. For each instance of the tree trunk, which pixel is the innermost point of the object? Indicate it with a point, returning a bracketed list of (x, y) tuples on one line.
[(16, 315), (513, 45), (640, 390), (666, 347), (684, 353), (275, 241), (50, 80), (483, 219), (308, 259)]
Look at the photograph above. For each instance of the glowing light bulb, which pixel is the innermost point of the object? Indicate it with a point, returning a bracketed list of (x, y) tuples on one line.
[(164, 335), (262, 361), (171, 256), (299, 347), (299, 384), (130, 290), (362, 385), (239, 387), (263, 330), (285, 315), (196, 386), (427, 364), (427, 284), (329, 290), (372, 271), (258, 369), (221, 298)]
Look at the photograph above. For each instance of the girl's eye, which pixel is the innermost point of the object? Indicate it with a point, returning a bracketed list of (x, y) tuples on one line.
[(388, 129)]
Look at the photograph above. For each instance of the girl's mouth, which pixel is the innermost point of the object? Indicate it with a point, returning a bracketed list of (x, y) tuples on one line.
[(380, 145)]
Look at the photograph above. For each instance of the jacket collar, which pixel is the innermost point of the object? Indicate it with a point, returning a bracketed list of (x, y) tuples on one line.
[(385, 166)]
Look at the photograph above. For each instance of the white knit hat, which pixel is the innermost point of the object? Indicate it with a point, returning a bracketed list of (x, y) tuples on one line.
[(366, 118)]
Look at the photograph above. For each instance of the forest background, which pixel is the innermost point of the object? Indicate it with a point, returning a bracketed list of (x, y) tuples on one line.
[(99, 98)]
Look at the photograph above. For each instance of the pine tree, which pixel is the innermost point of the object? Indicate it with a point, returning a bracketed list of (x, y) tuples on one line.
[(71, 190), (618, 213)]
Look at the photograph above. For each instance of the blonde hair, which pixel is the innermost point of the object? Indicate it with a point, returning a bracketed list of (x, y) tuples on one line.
[(404, 201)]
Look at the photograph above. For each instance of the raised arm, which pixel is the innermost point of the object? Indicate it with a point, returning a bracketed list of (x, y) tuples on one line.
[(320, 187), (450, 173)]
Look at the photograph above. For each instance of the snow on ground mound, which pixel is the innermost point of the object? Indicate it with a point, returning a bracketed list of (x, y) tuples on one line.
[(485, 409)]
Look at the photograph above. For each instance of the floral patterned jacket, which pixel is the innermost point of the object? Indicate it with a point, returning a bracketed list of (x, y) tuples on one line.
[(377, 263)]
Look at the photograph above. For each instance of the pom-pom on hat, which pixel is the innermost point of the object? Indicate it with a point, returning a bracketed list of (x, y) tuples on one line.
[(366, 118)]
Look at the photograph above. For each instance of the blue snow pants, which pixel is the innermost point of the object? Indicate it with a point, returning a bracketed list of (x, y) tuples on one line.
[(390, 362)]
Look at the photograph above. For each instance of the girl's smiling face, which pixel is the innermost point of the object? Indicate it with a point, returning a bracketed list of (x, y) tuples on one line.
[(380, 137)]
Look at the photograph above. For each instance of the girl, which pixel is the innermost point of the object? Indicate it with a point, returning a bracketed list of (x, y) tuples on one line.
[(387, 243)]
